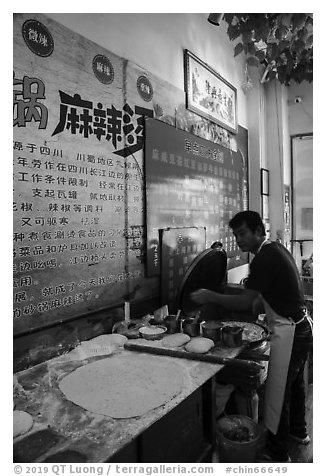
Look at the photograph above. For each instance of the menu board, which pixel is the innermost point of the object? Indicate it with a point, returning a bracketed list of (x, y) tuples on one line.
[(180, 246), (192, 182)]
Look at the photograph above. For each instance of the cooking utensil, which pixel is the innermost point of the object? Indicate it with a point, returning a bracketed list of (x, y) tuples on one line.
[(172, 323), (127, 311), (191, 326), (231, 336), (247, 365), (212, 330), (253, 343)]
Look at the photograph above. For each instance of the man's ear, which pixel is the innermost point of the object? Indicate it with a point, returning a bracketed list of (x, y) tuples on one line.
[(259, 231)]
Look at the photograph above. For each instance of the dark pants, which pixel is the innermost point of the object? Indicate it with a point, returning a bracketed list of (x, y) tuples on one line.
[(293, 411)]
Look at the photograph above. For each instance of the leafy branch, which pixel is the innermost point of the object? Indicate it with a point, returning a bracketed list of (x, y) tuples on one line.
[(283, 42)]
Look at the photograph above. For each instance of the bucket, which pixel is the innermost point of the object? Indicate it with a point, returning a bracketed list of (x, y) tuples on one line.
[(237, 438)]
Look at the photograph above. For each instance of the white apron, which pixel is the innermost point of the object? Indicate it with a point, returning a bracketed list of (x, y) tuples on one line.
[(282, 335)]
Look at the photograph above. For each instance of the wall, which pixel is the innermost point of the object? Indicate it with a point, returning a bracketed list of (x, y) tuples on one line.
[(301, 122), (155, 41), (277, 153), (284, 118), (168, 34), (300, 114)]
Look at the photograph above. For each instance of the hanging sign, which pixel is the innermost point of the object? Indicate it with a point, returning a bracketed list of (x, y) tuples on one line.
[(38, 38), (144, 88), (103, 69)]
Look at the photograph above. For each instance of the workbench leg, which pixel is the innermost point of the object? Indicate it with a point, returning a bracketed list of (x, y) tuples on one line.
[(209, 412)]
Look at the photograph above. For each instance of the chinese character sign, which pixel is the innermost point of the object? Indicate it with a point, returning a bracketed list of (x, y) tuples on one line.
[(78, 175)]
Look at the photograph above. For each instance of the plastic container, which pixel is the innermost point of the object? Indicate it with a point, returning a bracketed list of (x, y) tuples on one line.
[(232, 451)]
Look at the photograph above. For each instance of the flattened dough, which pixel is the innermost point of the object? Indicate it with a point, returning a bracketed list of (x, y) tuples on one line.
[(175, 340), (200, 345), (107, 339), (22, 422), (123, 386)]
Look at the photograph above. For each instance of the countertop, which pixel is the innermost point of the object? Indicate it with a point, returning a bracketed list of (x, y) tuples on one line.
[(61, 426)]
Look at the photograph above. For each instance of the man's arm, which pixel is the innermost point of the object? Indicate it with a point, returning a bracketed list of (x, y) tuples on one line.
[(234, 302)]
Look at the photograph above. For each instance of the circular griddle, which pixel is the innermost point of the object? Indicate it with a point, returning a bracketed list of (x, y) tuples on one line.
[(253, 343), (208, 270)]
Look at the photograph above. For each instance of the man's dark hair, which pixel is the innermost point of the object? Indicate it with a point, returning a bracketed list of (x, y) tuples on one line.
[(250, 218)]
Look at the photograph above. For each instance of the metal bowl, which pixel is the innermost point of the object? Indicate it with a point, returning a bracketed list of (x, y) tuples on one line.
[(152, 332)]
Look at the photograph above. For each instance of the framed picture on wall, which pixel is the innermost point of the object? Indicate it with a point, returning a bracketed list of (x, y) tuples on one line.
[(208, 94)]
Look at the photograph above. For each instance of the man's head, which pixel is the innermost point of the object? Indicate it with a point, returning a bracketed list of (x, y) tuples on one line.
[(249, 230)]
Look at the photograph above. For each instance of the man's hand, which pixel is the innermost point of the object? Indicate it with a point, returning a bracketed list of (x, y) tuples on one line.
[(203, 296)]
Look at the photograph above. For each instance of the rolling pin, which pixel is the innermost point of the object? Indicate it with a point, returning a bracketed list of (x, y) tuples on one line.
[(246, 365)]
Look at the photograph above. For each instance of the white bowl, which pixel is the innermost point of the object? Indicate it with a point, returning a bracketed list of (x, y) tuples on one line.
[(152, 332)]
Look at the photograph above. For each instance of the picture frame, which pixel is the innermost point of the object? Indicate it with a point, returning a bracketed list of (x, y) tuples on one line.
[(208, 94), (264, 182)]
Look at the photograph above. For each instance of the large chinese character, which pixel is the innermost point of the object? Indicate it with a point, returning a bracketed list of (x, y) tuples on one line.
[(114, 125), (69, 118), (138, 131), (26, 105)]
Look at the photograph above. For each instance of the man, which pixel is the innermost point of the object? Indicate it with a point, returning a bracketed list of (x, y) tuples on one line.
[(275, 278)]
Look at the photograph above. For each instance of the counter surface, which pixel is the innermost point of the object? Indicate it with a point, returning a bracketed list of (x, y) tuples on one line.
[(60, 426)]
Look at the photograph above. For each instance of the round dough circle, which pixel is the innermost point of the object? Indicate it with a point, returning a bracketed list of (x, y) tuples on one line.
[(108, 339), (22, 422), (123, 386), (175, 340), (199, 345)]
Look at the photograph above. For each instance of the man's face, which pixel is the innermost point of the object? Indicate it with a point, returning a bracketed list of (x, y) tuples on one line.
[(246, 239)]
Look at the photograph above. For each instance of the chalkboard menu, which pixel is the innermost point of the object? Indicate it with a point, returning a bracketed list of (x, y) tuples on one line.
[(192, 182), (180, 246)]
